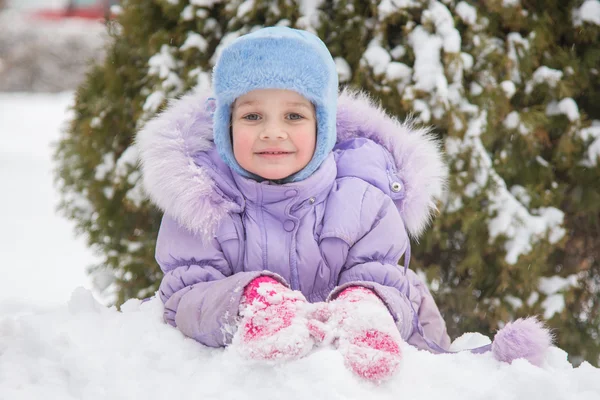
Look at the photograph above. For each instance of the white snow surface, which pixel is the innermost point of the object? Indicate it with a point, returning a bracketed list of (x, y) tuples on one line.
[(83, 350), (42, 261)]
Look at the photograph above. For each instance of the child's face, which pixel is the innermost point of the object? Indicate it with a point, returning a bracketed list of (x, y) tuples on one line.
[(274, 132)]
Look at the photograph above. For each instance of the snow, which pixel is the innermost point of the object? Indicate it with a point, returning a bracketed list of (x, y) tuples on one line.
[(540, 160), (475, 89), (444, 26), (466, 12), (343, 69), (592, 134), (533, 298), (38, 247), (551, 287), (512, 120), (510, 3), (566, 106), (421, 109), (398, 52), (309, 10), (377, 58), (153, 102), (205, 3), (509, 88), (164, 65), (195, 40), (469, 340), (467, 61), (588, 12), (515, 42), (107, 165), (92, 352), (510, 217), (521, 194), (546, 75), (398, 71), (515, 302), (553, 304), (245, 8), (388, 7), (428, 70), (188, 13), (555, 284)]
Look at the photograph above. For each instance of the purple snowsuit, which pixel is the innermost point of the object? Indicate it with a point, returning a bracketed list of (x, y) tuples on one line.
[(347, 224)]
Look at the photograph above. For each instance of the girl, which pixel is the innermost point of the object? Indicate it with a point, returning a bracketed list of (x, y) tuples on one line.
[(287, 209)]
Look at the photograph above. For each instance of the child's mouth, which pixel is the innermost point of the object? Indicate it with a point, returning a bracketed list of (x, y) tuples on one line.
[(274, 153)]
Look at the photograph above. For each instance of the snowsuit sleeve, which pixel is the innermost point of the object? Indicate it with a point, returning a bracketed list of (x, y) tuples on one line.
[(200, 290), (372, 262)]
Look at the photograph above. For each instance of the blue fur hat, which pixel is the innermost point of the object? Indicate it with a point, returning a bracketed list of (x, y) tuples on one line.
[(277, 58)]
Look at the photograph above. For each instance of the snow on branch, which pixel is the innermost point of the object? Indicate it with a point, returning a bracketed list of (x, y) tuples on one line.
[(511, 218)]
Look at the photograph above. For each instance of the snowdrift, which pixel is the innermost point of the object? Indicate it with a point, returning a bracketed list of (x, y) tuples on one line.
[(86, 351)]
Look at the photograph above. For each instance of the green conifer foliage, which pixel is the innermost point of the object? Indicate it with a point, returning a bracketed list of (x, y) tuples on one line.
[(511, 87)]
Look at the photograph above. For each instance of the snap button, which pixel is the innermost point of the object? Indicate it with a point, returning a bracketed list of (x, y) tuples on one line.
[(396, 187), (312, 200), (289, 225), (291, 193)]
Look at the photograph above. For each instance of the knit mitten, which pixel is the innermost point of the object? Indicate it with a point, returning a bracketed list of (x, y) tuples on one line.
[(367, 336), (273, 325)]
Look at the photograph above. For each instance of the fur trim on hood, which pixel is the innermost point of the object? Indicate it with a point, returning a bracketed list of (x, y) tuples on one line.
[(184, 190)]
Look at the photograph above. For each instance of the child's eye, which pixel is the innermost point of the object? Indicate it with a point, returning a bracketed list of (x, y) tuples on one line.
[(251, 117), (295, 117)]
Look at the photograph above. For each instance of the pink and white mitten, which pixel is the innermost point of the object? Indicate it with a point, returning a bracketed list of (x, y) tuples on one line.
[(274, 325), (366, 334)]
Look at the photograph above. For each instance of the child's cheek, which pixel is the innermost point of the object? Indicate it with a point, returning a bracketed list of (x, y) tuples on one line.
[(242, 144)]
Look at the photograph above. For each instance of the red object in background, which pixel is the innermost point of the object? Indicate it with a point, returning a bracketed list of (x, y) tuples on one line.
[(85, 9)]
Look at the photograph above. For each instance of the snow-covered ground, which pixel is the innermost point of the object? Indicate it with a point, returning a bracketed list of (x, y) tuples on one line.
[(57, 342), (86, 351), (42, 261)]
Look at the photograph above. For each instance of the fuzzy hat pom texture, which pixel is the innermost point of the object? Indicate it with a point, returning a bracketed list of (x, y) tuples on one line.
[(524, 338), (277, 58)]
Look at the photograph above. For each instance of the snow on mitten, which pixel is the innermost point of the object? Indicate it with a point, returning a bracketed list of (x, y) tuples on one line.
[(524, 338), (318, 316), (273, 324), (367, 336)]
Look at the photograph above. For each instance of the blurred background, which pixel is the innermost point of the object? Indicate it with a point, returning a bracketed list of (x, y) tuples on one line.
[(46, 47)]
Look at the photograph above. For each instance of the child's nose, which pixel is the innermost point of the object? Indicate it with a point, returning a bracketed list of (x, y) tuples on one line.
[(273, 131)]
